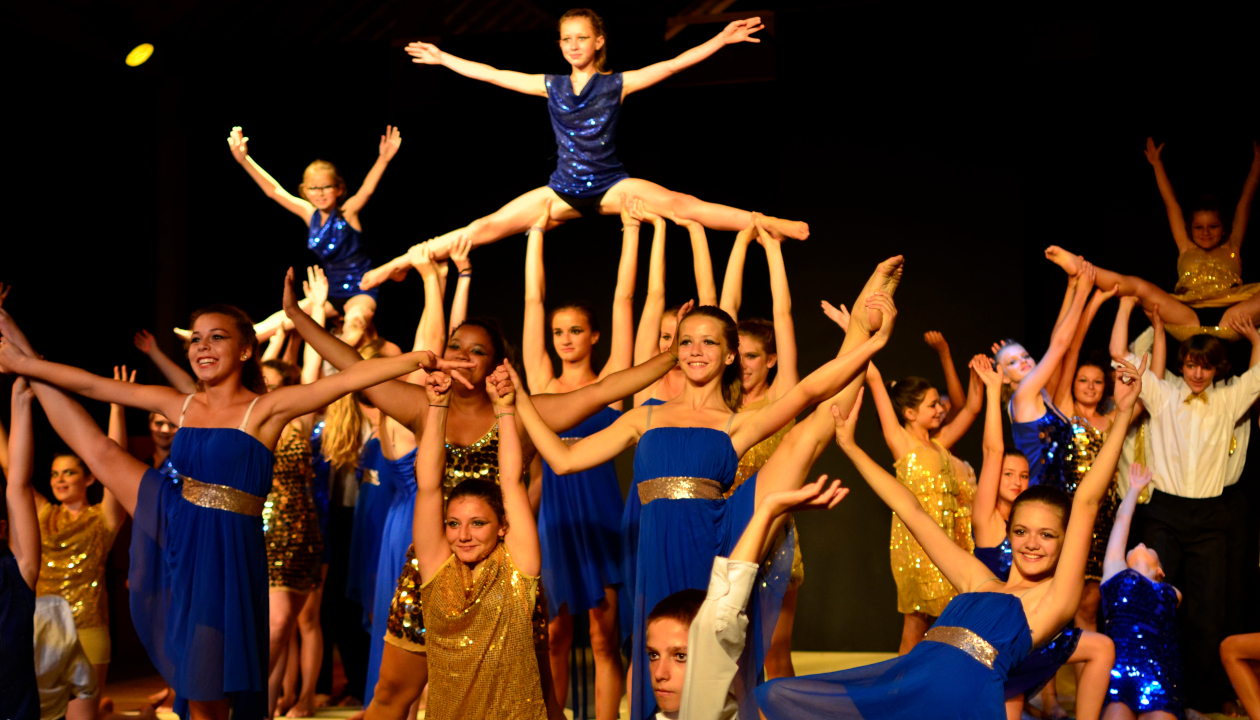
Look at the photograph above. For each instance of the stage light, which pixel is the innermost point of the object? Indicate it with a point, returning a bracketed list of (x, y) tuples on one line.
[(139, 54)]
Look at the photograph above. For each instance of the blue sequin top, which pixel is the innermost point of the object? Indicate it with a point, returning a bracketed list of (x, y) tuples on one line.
[(1141, 618), (340, 251), (1046, 442), (586, 127)]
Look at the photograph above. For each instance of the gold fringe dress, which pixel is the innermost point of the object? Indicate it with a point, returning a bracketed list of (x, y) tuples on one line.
[(295, 548), (1209, 279), (73, 553), (750, 463), (943, 485)]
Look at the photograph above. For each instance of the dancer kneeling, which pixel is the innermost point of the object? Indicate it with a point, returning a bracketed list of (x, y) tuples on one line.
[(960, 669)]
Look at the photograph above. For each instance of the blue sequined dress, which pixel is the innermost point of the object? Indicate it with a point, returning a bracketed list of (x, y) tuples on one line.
[(952, 675), (683, 524), (340, 251), (198, 576), (585, 125), (1045, 441), (1141, 618), (396, 537), (579, 527)]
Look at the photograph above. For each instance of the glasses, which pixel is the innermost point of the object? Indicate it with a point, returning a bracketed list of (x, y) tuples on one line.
[(320, 189)]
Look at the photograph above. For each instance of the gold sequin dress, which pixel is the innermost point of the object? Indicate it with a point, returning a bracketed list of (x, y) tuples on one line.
[(751, 462), (1086, 442), (482, 660), (934, 476), (72, 561), (1207, 279), (295, 547)]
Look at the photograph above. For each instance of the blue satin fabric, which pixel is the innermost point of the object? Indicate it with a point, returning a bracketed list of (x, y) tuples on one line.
[(369, 525), (396, 537)]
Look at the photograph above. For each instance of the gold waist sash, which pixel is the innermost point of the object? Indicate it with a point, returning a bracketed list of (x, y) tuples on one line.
[(222, 497), (965, 640), (679, 488)]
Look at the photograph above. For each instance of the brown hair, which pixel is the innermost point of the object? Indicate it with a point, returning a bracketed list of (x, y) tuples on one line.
[(597, 25), (681, 606), (732, 383), (760, 330), (1204, 350), (1048, 495), (502, 349), (485, 490), (907, 395), (325, 166), (343, 424), (580, 306), (289, 373), (251, 369), (1102, 361)]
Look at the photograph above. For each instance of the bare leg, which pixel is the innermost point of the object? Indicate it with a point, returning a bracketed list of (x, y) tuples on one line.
[(608, 689), (560, 641), (1096, 655), (1239, 654), (1050, 706), (284, 609), (1119, 711), (289, 678), (1172, 310), (209, 710), (402, 679), (312, 652), (779, 658), (1087, 612), (666, 202), (86, 708), (912, 631)]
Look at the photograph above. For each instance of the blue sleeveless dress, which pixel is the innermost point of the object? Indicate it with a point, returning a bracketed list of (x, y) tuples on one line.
[(340, 251), (629, 559), (1046, 442), (1141, 618), (934, 680), (683, 524), (585, 125), (579, 527), (198, 576), (396, 537), (375, 493)]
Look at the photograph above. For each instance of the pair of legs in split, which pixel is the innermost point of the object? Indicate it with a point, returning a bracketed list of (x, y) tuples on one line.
[(608, 689), (520, 214)]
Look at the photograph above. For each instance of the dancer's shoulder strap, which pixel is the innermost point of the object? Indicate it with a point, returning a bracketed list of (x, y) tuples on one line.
[(248, 410), (185, 408)]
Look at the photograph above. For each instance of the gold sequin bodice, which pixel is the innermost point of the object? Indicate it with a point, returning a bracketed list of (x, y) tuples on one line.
[(478, 460), (72, 561), (1211, 278), (932, 474), (758, 454), (482, 661), (1087, 440)]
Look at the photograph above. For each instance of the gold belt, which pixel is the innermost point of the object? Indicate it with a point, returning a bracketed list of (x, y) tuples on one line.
[(222, 497), (965, 640), (679, 488)]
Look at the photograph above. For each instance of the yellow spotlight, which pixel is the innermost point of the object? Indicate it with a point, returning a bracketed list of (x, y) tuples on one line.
[(139, 54)]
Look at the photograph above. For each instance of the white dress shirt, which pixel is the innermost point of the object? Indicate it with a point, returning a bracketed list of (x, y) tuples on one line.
[(1190, 441), (715, 642), (1242, 434)]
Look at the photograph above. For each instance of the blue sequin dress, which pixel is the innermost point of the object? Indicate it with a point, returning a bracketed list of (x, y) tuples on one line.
[(376, 491), (340, 251), (198, 575), (934, 680), (1045, 441), (585, 125), (396, 537), (579, 528), (1141, 618), (683, 524)]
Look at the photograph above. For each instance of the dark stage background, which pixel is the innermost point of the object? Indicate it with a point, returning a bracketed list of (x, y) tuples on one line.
[(967, 139)]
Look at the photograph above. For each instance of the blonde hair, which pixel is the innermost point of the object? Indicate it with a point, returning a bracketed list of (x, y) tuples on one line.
[(323, 166), (597, 25), (343, 423)]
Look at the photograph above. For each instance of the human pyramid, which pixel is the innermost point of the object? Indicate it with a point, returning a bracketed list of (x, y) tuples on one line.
[(487, 512)]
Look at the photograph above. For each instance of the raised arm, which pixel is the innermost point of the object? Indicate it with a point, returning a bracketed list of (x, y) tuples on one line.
[(1030, 387), (988, 523), (952, 431), (647, 342), (316, 288), (1159, 345), (1246, 327), (889, 422), (1064, 399), (738, 31), (463, 281), (1176, 221), (239, 145), (701, 260), (178, 377), (538, 369), (427, 54), (953, 385), (115, 513), (428, 523), (960, 567), (390, 142), (773, 511), (784, 326), (522, 537), (733, 282), (1119, 345), (19, 494), (1243, 211), (1114, 559), (621, 351)]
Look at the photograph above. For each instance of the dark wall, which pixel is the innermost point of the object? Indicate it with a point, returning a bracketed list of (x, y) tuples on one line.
[(966, 140)]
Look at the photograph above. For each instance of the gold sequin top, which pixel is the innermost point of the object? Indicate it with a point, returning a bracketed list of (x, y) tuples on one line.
[(758, 454), (934, 476), (295, 547), (482, 661), (1211, 278), (479, 460), (1087, 441), (72, 561)]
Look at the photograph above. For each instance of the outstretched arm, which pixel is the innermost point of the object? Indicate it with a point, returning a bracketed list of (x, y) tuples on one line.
[(522, 537), (1030, 387), (706, 288), (390, 142), (647, 342), (773, 511), (733, 282), (1243, 212), (952, 431), (1176, 221), (1113, 560), (889, 422), (953, 386), (19, 495), (621, 350), (738, 31), (428, 524), (239, 145), (463, 283), (178, 377), (428, 54), (989, 527), (538, 370), (115, 513), (784, 326), (1064, 399)]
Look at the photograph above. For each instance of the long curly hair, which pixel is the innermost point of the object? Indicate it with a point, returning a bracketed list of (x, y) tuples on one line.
[(343, 422)]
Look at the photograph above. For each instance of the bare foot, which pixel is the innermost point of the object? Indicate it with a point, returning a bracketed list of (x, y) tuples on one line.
[(780, 228), (1070, 263), (11, 332), (158, 699), (282, 706), (301, 709), (322, 700), (359, 715), (395, 270)]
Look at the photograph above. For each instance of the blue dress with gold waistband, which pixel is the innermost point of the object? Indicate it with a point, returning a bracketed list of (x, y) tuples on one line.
[(683, 524), (198, 577), (958, 671)]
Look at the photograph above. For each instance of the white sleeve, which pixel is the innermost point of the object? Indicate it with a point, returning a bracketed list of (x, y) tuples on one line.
[(1155, 392), (1240, 394), (715, 642)]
